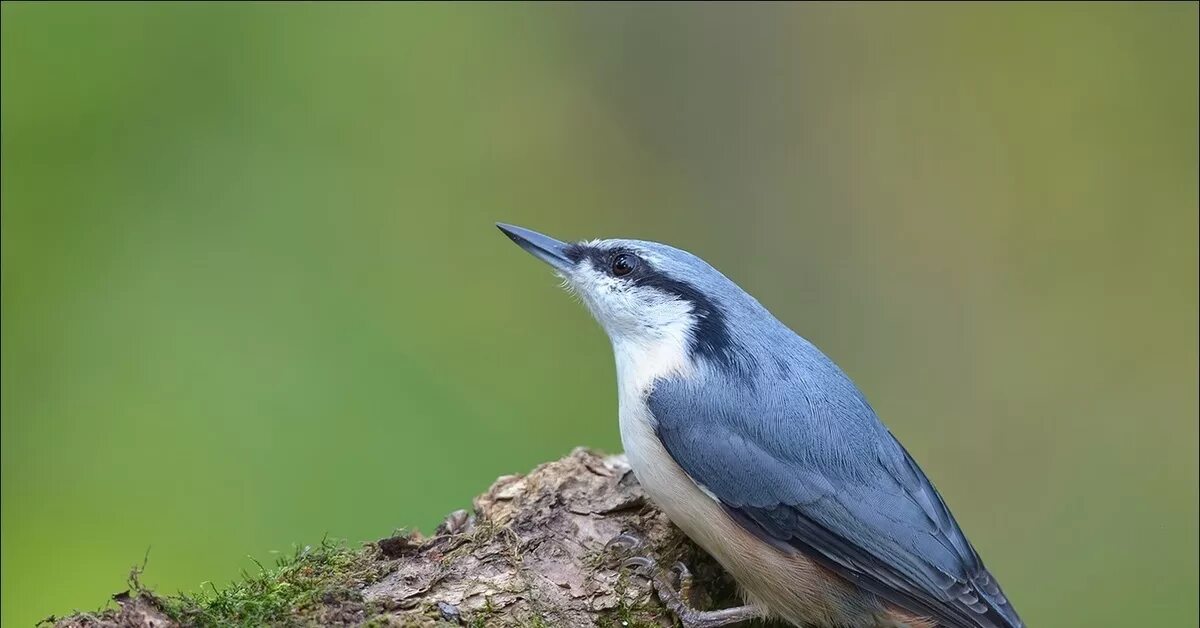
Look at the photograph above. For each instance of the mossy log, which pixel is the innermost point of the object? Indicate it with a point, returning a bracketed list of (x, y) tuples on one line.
[(533, 553)]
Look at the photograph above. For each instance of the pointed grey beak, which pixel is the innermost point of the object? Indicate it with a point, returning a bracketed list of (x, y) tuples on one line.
[(542, 247)]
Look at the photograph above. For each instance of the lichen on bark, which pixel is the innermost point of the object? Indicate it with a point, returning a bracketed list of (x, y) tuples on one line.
[(532, 553)]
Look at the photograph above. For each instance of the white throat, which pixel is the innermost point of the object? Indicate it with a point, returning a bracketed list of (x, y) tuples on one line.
[(641, 361)]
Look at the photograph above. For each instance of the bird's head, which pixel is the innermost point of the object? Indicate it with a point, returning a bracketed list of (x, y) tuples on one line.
[(650, 296)]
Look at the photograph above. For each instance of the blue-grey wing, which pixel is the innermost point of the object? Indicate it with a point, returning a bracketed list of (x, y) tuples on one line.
[(822, 476)]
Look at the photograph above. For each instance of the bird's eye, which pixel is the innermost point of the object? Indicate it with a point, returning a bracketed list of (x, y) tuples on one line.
[(623, 264)]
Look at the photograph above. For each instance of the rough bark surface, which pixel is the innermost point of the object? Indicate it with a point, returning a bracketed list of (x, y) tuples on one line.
[(533, 553)]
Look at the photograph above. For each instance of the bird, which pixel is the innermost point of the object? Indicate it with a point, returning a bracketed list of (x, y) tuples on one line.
[(766, 454)]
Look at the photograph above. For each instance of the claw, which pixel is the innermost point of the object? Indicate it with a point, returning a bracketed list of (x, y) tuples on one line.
[(627, 542), (681, 570), (641, 563), (684, 577)]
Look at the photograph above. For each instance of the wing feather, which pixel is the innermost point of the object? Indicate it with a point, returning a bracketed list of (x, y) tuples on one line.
[(851, 498)]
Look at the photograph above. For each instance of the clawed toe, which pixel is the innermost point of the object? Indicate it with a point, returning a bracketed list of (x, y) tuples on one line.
[(624, 542), (674, 597), (648, 568), (623, 545), (692, 618), (682, 573), (642, 564)]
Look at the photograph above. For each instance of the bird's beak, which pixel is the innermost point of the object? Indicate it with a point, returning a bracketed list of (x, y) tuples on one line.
[(542, 247)]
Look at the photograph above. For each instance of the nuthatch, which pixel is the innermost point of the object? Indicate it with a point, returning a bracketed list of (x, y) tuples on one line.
[(765, 453)]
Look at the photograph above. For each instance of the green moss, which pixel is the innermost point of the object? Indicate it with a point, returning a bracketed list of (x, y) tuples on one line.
[(628, 616), (480, 534), (308, 580)]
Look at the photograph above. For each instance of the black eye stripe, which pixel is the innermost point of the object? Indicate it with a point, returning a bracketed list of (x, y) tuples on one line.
[(598, 258), (601, 259)]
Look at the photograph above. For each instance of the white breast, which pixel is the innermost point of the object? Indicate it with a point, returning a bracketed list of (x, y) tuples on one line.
[(668, 486), (639, 364)]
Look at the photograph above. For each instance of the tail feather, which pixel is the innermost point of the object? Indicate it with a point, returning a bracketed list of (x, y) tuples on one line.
[(996, 607)]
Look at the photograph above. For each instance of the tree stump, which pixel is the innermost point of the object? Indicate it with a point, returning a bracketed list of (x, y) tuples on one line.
[(533, 553)]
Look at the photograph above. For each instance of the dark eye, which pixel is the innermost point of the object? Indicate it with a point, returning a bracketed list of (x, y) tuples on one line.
[(623, 264)]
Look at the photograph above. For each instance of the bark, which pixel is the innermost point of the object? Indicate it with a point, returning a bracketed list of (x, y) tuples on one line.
[(533, 553)]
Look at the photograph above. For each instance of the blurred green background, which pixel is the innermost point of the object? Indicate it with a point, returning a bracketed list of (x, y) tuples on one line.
[(252, 293)]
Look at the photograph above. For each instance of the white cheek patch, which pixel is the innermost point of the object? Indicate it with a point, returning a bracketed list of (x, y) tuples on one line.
[(613, 305), (640, 314)]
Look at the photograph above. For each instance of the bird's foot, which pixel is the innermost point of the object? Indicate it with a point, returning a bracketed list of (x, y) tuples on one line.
[(674, 597)]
